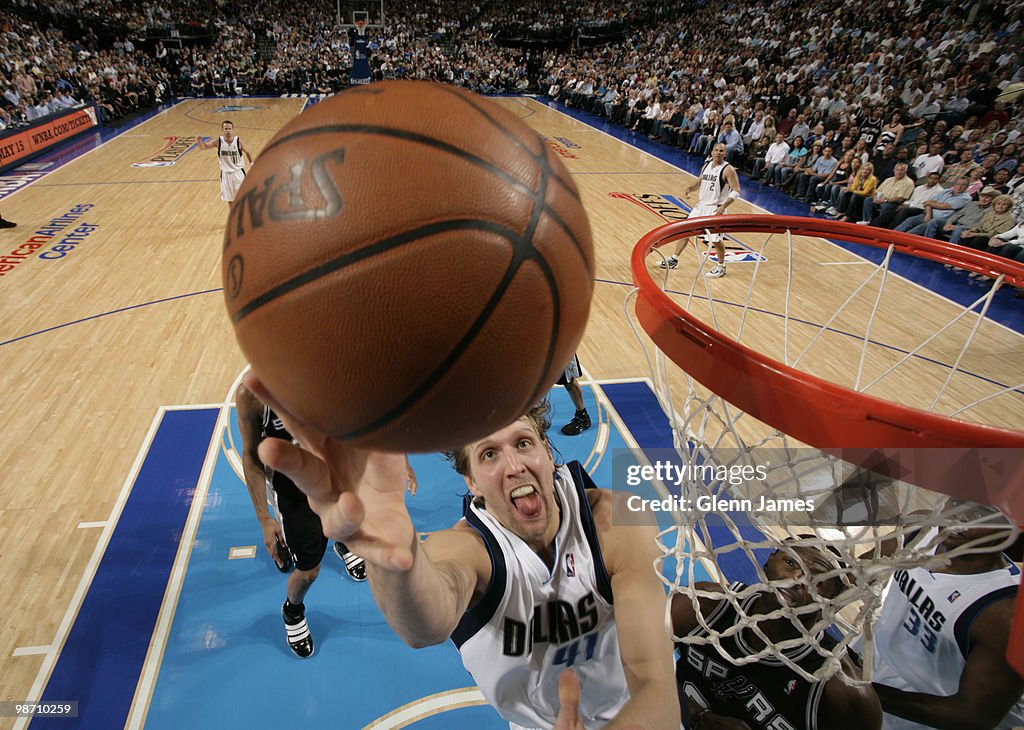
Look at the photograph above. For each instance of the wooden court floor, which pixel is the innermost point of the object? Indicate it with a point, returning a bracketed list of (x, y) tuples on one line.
[(128, 316)]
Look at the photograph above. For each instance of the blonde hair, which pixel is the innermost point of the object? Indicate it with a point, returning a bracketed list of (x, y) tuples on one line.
[(1004, 198), (539, 418)]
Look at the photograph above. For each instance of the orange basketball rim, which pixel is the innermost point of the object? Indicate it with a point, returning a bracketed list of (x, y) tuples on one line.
[(964, 459)]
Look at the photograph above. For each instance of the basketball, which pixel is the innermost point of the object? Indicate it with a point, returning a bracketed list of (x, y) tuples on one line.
[(408, 266)]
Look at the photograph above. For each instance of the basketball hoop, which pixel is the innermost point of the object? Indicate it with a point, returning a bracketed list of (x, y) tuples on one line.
[(360, 27), (877, 465), (850, 420)]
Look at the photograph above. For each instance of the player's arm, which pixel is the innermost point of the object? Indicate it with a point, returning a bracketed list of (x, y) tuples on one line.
[(734, 182), (684, 620), (244, 150), (423, 605), (644, 643), (989, 687), (684, 616), (203, 144), (250, 412), (843, 706), (358, 494)]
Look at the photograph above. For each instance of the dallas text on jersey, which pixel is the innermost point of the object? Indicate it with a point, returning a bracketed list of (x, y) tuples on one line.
[(555, 622)]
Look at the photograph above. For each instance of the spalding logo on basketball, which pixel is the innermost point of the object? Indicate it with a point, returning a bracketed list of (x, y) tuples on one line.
[(418, 266)]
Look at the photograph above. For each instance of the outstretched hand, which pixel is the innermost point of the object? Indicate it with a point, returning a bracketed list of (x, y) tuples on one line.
[(568, 702), (358, 494)]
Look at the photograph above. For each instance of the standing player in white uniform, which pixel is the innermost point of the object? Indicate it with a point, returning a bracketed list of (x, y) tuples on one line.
[(719, 186), (523, 585), (229, 155), (940, 642)]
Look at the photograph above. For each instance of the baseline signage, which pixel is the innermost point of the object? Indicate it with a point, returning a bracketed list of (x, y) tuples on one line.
[(57, 128)]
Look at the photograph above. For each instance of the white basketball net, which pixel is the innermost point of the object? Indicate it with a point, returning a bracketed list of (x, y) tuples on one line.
[(710, 434)]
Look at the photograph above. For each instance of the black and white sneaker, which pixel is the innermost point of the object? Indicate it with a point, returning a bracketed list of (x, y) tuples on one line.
[(670, 263), (355, 566), (579, 423), (296, 630)]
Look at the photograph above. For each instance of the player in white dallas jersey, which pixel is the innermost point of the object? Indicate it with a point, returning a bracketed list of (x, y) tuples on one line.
[(940, 642), (229, 156), (532, 622), (524, 585), (719, 186)]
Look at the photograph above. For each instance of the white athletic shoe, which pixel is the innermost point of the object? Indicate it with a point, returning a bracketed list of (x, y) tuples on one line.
[(832, 211), (670, 263), (716, 273)]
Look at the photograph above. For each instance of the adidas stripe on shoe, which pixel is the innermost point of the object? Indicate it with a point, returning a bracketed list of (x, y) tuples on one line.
[(355, 565), (300, 640)]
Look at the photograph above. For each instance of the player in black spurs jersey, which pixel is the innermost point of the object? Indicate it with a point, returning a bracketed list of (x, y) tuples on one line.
[(294, 535), (766, 694)]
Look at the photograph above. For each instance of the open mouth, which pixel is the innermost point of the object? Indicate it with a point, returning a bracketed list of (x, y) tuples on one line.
[(526, 501), (790, 595)]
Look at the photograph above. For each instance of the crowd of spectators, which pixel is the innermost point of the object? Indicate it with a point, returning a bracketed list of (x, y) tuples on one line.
[(840, 105), (897, 114), (42, 71)]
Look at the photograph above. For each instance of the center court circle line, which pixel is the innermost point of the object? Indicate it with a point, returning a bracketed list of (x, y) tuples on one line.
[(429, 706)]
